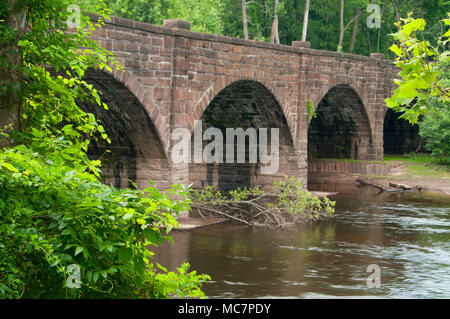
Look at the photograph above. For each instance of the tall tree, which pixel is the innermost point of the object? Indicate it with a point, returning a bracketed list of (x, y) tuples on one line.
[(14, 15), (274, 36), (342, 28), (355, 30), (305, 21)]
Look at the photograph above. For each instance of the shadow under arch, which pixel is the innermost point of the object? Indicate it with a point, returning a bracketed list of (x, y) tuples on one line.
[(136, 151), (340, 127), (399, 136), (244, 104)]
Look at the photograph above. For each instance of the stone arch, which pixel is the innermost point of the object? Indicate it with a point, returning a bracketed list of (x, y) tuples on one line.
[(244, 104), (361, 88), (136, 151), (341, 128), (223, 82), (133, 83), (399, 136)]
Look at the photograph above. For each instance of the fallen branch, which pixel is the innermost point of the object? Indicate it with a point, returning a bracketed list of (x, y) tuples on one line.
[(421, 188), (288, 204), (401, 186), (368, 183), (215, 211)]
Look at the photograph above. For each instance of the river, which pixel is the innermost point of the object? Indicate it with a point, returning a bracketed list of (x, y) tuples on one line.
[(406, 235)]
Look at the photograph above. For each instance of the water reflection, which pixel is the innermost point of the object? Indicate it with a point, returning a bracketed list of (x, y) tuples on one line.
[(408, 236)]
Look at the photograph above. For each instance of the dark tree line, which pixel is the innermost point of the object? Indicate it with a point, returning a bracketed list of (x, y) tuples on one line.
[(344, 25)]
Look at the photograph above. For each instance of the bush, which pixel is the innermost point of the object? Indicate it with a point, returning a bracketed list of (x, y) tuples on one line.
[(53, 215), (54, 211), (288, 204), (435, 129)]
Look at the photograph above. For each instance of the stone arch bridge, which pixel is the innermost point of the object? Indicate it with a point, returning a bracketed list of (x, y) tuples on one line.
[(173, 77)]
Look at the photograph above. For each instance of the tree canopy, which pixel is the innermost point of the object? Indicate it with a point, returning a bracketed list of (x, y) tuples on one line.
[(225, 17)]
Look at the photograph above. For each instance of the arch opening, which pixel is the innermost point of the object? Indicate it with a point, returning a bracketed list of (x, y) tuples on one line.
[(244, 104), (136, 152), (341, 127), (399, 137)]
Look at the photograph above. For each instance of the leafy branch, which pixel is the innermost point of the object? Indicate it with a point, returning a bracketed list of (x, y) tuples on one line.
[(423, 79), (286, 205)]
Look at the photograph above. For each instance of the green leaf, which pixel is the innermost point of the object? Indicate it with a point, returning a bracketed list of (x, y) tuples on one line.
[(66, 232), (153, 236), (78, 250), (125, 254), (396, 49), (415, 25), (95, 277), (9, 167), (127, 216)]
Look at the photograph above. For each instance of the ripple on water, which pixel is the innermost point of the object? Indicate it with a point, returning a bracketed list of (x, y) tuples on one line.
[(409, 240)]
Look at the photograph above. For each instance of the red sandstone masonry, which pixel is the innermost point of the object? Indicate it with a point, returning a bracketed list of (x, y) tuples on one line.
[(176, 73), (335, 167)]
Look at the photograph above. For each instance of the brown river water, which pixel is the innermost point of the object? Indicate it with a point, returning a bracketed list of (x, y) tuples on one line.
[(406, 234)]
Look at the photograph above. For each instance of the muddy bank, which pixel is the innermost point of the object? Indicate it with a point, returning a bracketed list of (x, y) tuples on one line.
[(415, 183)]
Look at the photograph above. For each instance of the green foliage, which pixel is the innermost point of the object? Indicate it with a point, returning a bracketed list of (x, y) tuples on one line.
[(425, 81), (225, 17), (435, 129), (54, 211), (204, 15), (53, 215), (424, 87), (152, 11), (297, 200), (53, 68), (311, 111), (288, 203)]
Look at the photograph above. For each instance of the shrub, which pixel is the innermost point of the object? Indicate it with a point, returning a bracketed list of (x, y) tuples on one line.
[(286, 205), (435, 129), (54, 211), (53, 215)]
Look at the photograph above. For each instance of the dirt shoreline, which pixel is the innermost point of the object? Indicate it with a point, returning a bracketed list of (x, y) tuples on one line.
[(420, 183), (397, 175)]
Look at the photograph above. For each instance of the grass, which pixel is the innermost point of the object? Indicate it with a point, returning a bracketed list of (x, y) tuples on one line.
[(350, 160), (421, 165), (417, 159), (428, 171), (416, 164)]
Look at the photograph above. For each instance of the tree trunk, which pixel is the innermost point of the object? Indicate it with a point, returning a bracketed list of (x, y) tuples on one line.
[(274, 37), (244, 18), (341, 27), (378, 40), (11, 76), (305, 21), (297, 13), (355, 30), (368, 42), (379, 30)]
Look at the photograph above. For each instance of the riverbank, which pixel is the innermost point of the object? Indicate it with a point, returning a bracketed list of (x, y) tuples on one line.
[(422, 172), (419, 172)]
